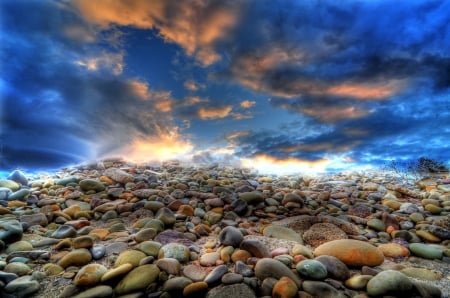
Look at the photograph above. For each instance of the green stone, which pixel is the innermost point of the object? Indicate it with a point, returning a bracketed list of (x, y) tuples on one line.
[(425, 251)]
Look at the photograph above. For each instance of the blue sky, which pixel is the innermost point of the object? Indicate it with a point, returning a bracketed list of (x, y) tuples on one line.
[(281, 85)]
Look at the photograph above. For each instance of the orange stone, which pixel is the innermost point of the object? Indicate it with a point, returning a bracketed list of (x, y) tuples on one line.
[(100, 233), (352, 252), (285, 288), (390, 229)]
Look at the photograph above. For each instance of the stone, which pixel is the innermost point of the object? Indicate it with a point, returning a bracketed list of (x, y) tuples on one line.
[(195, 289), (232, 278), (300, 249), (89, 275), (64, 231), (169, 265), (320, 233), (118, 175), (311, 269), (4, 193), (91, 184), (195, 273), (10, 230), (176, 284), (166, 216), (130, 256), (216, 274), (336, 268), (150, 248), (425, 251), (352, 252), (176, 251), (29, 220), (389, 282), (10, 184), (145, 234), (22, 286), (255, 247), (235, 290), (67, 180), (117, 271), (52, 269), (252, 197), (285, 288), (97, 251), (18, 176), (421, 273), (83, 242), (393, 250), (76, 257), (19, 246), (231, 236), (321, 289), (358, 282), (101, 291), (17, 268), (376, 224), (427, 290), (138, 279), (281, 232), (209, 259), (267, 267), (19, 195)]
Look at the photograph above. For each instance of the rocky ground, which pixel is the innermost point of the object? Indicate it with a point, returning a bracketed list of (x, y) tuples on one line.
[(113, 229)]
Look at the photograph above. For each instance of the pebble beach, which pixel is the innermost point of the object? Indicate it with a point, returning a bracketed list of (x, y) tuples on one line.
[(117, 229)]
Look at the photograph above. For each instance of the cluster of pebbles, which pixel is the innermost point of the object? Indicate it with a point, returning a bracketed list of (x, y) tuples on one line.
[(115, 229)]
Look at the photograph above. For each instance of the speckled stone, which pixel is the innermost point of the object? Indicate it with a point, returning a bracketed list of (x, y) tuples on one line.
[(312, 269), (137, 279), (89, 275)]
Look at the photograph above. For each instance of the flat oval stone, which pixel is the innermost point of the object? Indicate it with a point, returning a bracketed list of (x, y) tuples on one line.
[(255, 247), (281, 232), (176, 251), (101, 291), (91, 184), (177, 283), (421, 273), (389, 282), (150, 248), (352, 252), (169, 265), (145, 235), (335, 267), (130, 256), (321, 289), (235, 290), (139, 278), (64, 231), (216, 274), (312, 269), (394, 250), (358, 282), (22, 286), (115, 272), (77, 257), (425, 251), (195, 273), (195, 288), (231, 278), (267, 267), (89, 275)]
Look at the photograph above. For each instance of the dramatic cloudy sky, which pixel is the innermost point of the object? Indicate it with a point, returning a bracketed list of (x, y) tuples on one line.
[(299, 85)]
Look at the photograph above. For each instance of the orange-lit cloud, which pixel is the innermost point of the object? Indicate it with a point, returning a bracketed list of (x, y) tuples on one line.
[(373, 91), (318, 147), (246, 104), (192, 85), (162, 99), (269, 164), (334, 114), (241, 116), (194, 25), (237, 134), (109, 61), (79, 33), (157, 148), (214, 113)]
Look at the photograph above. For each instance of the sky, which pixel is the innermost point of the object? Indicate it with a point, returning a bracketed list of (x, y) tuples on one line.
[(281, 86)]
